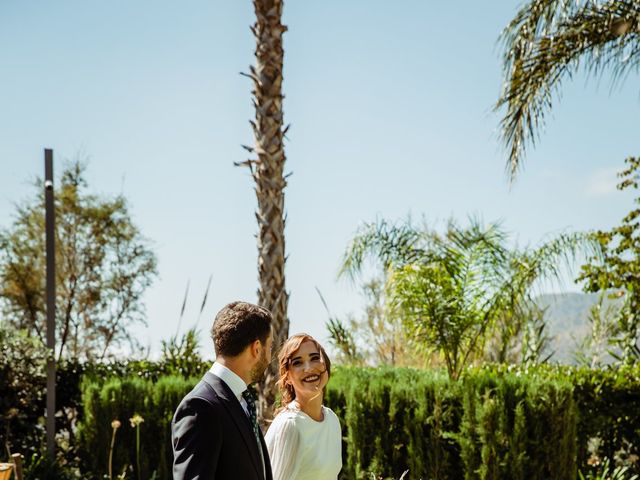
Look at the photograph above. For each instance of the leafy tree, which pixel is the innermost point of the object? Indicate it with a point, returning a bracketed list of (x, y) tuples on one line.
[(549, 40), (269, 177), (103, 266), (452, 290), (618, 269)]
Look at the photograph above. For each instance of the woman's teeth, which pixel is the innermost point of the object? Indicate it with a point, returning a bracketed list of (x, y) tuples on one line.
[(312, 378)]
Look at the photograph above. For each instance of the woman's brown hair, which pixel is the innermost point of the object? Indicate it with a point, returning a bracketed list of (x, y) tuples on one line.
[(290, 347)]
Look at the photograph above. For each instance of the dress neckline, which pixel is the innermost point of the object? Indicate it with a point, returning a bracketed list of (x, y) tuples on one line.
[(294, 406)]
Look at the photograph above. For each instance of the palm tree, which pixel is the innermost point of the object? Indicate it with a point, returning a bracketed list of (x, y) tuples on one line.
[(268, 173), (549, 40), (452, 290)]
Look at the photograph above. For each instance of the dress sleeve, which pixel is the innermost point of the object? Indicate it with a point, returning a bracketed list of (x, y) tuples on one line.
[(283, 442)]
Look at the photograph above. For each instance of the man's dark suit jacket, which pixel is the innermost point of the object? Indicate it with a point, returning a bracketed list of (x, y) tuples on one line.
[(212, 436)]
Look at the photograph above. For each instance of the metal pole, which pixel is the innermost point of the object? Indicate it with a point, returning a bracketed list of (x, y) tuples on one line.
[(51, 300)]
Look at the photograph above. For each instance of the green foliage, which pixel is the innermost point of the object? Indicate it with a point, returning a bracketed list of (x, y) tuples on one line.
[(609, 473), (22, 391), (377, 337), (343, 339), (608, 412), (517, 427), (123, 399), (182, 357), (40, 466), (593, 350), (535, 340), (456, 290), (103, 266), (549, 40), (496, 422), (618, 269), (70, 375)]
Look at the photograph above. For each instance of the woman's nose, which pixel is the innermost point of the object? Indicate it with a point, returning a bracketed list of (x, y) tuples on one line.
[(308, 365)]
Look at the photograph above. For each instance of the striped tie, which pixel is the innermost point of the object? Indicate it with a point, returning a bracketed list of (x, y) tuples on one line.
[(249, 396)]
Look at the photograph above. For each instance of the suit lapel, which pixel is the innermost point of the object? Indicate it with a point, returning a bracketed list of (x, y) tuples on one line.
[(239, 417), (267, 461)]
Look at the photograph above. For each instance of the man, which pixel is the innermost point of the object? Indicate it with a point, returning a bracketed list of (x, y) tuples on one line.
[(214, 432)]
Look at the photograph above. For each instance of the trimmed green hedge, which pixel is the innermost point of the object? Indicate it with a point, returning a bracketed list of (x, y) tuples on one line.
[(120, 399), (487, 426), (497, 422), (609, 409)]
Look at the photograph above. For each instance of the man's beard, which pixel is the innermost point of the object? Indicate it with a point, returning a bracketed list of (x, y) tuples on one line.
[(258, 369)]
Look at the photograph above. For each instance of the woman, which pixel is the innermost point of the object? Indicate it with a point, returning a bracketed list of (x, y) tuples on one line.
[(304, 440)]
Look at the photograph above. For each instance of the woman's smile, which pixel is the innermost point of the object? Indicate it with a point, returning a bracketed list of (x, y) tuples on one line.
[(307, 369)]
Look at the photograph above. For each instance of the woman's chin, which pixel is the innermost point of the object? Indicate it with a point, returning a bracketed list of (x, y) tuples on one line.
[(309, 393)]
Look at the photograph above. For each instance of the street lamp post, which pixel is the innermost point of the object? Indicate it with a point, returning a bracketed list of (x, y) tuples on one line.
[(51, 300)]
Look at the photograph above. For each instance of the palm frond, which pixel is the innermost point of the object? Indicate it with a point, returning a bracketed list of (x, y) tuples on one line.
[(548, 261), (535, 19), (383, 241), (545, 43), (479, 254)]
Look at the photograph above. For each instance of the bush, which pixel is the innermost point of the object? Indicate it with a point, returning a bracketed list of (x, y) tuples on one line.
[(22, 391), (39, 466), (121, 399), (497, 422), (609, 413)]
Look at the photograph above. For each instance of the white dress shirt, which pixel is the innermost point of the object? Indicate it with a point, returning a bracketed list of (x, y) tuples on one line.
[(233, 381)]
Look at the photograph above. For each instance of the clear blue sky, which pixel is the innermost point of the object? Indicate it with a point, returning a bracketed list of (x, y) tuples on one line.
[(391, 112)]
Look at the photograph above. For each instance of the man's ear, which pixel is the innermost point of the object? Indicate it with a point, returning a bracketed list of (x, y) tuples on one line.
[(256, 347)]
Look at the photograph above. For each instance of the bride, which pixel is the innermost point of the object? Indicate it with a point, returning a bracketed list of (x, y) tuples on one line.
[(304, 440)]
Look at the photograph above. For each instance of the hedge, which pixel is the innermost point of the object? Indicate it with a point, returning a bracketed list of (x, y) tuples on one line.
[(496, 422), (121, 399), (486, 426)]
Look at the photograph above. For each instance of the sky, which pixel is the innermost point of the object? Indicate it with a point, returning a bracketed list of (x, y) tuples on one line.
[(391, 113)]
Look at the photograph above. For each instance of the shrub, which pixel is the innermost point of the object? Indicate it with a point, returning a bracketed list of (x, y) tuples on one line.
[(121, 399), (22, 391), (496, 422)]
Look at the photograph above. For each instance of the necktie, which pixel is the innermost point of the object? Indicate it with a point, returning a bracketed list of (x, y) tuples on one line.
[(249, 396)]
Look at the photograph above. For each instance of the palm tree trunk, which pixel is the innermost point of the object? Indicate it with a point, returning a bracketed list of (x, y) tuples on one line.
[(268, 173)]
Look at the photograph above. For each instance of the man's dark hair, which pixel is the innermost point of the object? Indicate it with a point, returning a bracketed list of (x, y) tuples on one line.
[(237, 326)]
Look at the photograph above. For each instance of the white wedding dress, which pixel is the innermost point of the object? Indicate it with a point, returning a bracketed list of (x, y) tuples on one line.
[(301, 448)]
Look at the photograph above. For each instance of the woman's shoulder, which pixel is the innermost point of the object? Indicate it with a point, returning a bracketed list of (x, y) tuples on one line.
[(288, 415), (330, 415), (283, 424)]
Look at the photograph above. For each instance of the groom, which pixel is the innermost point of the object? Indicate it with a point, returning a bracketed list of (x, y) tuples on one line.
[(214, 433)]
